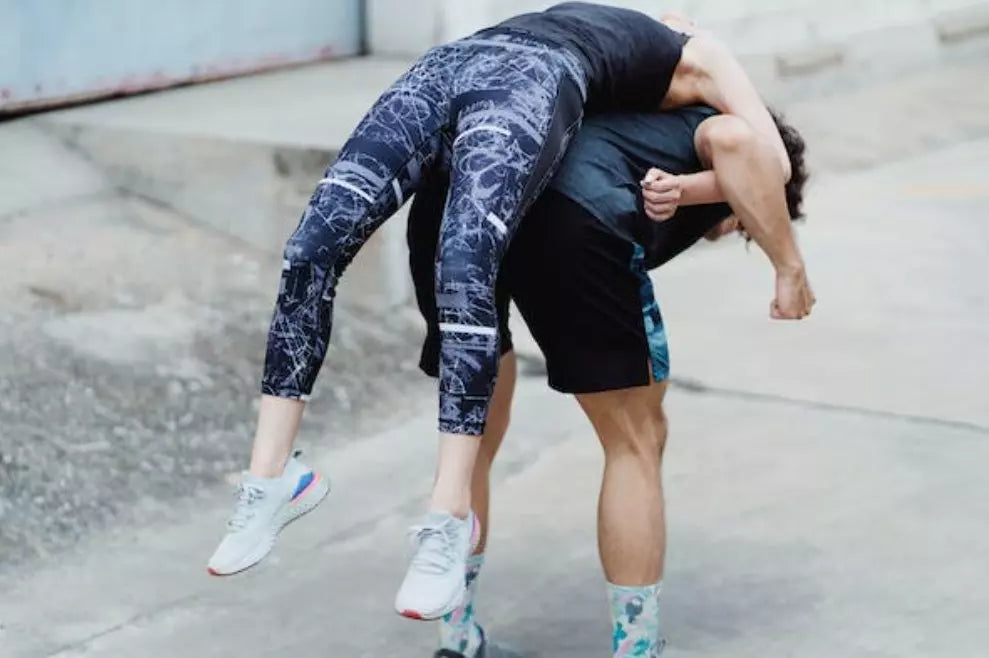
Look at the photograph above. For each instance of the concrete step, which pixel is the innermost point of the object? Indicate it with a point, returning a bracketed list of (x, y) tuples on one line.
[(242, 156)]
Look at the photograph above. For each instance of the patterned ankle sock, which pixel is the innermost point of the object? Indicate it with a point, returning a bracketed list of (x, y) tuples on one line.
[(635, 620), (458, 630)]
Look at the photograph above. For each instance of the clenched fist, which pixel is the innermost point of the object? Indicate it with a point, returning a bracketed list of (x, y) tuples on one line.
[(794, 298), (661, 194)]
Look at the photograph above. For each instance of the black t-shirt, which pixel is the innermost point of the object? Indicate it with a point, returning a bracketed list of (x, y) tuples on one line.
[(611, 155), (630, 58)]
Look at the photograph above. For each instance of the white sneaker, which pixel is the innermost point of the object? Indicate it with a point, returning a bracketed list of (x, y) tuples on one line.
[(435, 585), (264, 507)]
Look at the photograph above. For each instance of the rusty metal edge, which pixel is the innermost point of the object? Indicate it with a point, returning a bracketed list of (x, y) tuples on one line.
[(158, 82)]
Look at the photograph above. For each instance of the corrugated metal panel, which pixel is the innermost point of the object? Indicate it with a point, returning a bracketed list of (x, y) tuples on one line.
[(58, 51)]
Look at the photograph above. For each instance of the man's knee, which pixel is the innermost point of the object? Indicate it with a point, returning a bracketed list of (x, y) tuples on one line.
[(500, 409), (644, 435), (655, 431), (631, 421), (499, 418)]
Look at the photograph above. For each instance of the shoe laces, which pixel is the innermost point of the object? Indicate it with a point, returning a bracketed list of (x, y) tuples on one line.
[(435, 547), (248, 495)]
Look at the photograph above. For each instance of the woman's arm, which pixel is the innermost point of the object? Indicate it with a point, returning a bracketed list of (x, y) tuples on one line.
[(717, 79), (700, 189)]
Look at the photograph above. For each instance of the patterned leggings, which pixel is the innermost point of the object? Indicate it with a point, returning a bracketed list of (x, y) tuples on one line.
[(506, 107)]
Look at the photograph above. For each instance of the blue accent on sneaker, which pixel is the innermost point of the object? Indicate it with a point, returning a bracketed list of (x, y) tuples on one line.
[(482, 650), (304, 482)]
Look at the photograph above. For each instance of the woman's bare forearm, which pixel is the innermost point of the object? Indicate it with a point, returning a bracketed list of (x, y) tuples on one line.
[(700, 189)]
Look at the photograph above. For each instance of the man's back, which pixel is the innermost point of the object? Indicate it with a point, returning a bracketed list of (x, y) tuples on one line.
[(609, 157)]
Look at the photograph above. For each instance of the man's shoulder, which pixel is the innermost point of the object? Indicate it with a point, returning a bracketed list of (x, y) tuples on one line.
[(661, 139), (640, 122), (670, 133)]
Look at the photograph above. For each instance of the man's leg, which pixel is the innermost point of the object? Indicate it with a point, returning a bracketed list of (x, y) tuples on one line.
[(499, 415), (632, 429), (582, 291), (378, 169)]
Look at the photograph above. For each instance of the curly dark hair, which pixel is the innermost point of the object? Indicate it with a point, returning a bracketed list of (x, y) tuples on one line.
[(795, 147)]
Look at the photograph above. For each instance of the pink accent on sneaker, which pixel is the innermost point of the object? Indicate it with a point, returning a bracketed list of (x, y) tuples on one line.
[(312, 483), (475, 533)]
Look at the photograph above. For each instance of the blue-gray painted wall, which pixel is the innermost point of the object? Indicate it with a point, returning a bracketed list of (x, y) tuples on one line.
[(54, 51)]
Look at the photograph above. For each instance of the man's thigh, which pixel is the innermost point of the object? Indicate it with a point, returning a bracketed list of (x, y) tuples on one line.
[(629, 417)]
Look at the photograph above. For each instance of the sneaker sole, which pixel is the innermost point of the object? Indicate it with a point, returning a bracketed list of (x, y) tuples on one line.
[(416, 615), (305, 502), (419, 615)]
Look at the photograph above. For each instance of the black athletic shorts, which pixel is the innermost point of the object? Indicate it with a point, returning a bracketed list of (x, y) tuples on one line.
[(582, 290)]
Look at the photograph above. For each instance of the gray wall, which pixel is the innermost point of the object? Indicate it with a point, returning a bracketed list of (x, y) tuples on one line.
[(750, 26)]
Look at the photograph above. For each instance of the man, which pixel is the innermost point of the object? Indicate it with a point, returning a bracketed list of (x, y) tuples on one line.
[(507, 100), (577, 271)]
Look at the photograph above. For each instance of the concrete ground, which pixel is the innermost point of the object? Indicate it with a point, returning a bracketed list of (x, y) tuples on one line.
[(825, 479), (131, 341)]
